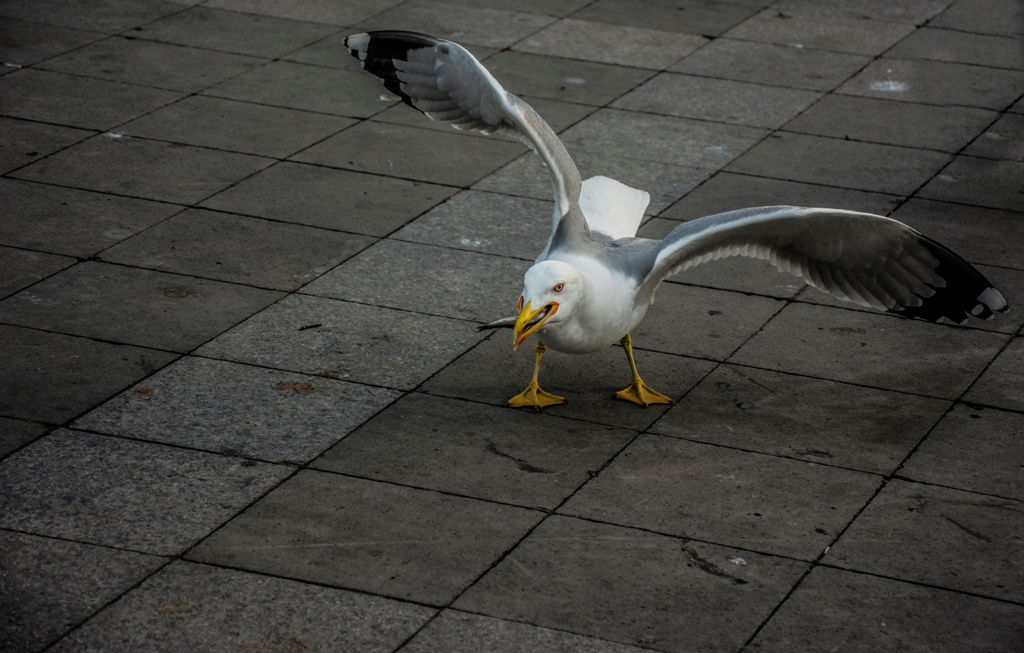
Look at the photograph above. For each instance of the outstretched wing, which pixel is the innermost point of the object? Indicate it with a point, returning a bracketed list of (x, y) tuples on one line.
[(863, 258), (445, 82)]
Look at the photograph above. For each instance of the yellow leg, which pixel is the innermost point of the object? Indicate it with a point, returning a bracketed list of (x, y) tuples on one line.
[(533, 396), (638, 392)]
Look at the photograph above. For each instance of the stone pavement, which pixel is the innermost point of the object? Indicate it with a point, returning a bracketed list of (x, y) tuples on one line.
[(244, 407)]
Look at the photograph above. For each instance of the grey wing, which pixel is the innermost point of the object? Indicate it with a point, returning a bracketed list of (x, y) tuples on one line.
[(445, 82), (867, 259)]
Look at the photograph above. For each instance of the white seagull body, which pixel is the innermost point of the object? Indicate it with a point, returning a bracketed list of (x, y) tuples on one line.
[(594, 281)]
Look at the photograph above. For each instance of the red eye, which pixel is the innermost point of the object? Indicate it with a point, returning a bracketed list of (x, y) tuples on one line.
[(519, 306), (559, 287)]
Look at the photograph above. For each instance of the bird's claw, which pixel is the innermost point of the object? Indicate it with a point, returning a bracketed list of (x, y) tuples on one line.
[(534, 397), (639, 393)]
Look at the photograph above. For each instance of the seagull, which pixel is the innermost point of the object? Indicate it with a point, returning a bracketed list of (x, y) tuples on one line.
[(595, 280)]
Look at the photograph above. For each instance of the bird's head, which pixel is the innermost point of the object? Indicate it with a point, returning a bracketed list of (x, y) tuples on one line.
[(552, 291)]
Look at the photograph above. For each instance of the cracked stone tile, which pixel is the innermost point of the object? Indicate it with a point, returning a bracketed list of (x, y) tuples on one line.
[(669, 594), (495, 28), (958, 452), (52, 378), (799, 417), (769, 63), (836, 609), (734, 498), (239, 410), (937, 536), (238, 249), (611, 44), (368, 536), (311, 195), (187, 606), (440, 281), (20, 268), (48, 586), (77, 101), (69, 221), (872, 349), (718, 100), (476, 450), (134, 306), (343, 340), (126, 494), (27, 142)]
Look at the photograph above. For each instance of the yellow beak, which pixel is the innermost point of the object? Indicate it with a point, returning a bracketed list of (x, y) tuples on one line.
[(530, 321)]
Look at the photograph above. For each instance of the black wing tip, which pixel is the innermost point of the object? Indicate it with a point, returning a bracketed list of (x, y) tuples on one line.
[(967, 293)]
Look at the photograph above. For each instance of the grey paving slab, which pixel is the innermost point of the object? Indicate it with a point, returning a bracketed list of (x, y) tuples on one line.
[(133, 306), (342, 340), (475, 450), (233, 31), (1003, 140), (331, 12), (71, 222), (163, 65), (837, 162), (341, 92), (484, 222), (23, 43), (1000, 384), (236, 126), (110, 17), (492, 373), (745, 275), (545, 7), (77, 101), (1018, 106), (495, 28), (804, 24), (665, 182), (958, 452), (799, 417), (239, 410), (912, 11), (126, 494), (376, 537), (727, 191), (835, 609), (25, 142), (460, 632), (961, 47), (143, 168), (330, 198), (52, 378), (937, 82), (769, 63), (633, 587), (983, 236), (718, 100), (872, 349), (943, 128), (20, 268), (692, 16), (48, 586), (612, 44), (191, 607), (569, 80), (937, 536), (735, 498), (702, 322), (983, 16), (435, 280), (238, 249), (16, 433), (411, 153), (985, 182)]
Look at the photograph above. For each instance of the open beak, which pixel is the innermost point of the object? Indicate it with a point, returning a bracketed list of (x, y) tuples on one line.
[(530, 320)]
